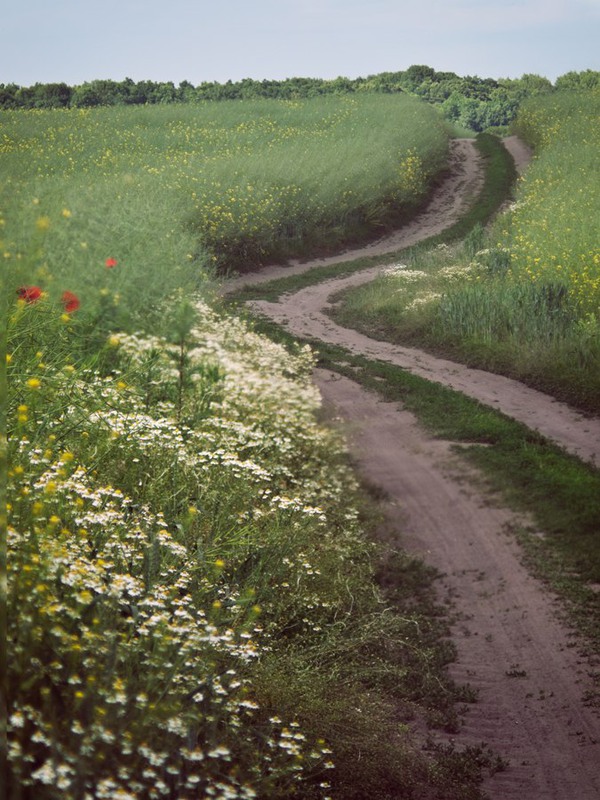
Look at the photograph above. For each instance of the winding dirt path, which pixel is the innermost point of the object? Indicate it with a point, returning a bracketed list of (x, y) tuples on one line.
[(511, 644)]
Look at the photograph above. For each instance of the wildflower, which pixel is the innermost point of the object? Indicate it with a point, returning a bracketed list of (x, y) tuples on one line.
[(17, 720), (66, 213), (220, 752), (42, 223), (70, 302), (30, 294), (111, 262), (114, 341), (33, 383)]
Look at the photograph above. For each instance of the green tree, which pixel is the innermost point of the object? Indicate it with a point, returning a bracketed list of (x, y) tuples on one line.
[(186, 92), (576, 81), (415, 75), (8, 95), (96, 93)]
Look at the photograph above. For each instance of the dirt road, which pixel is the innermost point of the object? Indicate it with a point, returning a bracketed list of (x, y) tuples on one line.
[(511, 646)]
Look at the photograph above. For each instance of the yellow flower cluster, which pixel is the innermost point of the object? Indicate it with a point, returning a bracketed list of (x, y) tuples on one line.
[(411, 173)]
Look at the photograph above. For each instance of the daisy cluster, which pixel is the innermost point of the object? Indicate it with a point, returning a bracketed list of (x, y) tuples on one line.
[(420, 289), (173, 516)]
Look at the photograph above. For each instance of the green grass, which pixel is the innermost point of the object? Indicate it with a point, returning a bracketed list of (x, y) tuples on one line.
[(181, 526), (552, 231), (243, 182), (450, 303)]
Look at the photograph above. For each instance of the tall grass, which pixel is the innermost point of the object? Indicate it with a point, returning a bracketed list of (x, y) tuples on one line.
[(192, 601), (525, 297), (253, 180), (552, 230)]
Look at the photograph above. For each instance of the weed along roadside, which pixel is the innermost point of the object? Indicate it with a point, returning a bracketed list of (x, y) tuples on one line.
[(448, 492)]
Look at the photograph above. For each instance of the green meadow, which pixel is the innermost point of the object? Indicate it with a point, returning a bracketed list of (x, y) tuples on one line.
[(249, 182), (192, 594)]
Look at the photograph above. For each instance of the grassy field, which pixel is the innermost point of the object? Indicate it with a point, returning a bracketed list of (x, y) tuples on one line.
[(249, 181), (192, 595), (524, 297), (552, 230)]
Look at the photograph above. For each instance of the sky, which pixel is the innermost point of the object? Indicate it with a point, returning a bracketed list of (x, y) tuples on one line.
[(74, 41)]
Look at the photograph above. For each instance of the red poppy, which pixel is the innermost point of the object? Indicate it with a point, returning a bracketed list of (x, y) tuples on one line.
[(31, 294), (110, 263), (70, 302)]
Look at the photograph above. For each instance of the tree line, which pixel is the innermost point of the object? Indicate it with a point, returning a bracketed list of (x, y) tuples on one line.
[(476, 103)]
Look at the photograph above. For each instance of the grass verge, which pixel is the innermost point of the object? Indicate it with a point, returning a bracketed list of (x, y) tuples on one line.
[(443, 300)]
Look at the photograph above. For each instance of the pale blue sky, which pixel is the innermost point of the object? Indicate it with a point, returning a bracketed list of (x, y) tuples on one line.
[(204, 40)]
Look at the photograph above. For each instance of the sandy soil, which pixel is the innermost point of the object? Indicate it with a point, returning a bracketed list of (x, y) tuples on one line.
[(520, 152), (511, 645)]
